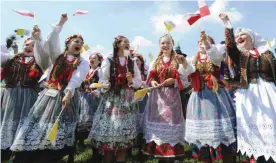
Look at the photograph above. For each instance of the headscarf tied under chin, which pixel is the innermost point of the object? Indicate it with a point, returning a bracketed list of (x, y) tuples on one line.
[(257, 40)]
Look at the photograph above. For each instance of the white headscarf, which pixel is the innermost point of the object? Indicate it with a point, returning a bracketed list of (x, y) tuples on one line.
[(258, 41)]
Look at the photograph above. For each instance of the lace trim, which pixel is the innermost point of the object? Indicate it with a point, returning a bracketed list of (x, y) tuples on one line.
[(211, 132), (162, 133), (257, 139), (33, 136)]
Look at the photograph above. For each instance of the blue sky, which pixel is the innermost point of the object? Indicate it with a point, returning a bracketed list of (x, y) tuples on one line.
[(140, 21)]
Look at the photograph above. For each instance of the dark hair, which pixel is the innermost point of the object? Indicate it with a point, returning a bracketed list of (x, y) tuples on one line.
[(100, 58), (114, 71), (142, 65), (68, 40)]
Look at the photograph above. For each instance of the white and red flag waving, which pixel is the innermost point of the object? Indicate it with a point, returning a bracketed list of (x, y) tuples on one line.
[(203, 11), (203, 8), (80, 12), (25, 13)]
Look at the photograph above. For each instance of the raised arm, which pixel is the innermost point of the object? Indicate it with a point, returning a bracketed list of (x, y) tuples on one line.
[(216, 53), (231, 47), (46, 52)]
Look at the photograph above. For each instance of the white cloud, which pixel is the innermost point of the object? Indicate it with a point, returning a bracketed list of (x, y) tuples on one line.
[(182, 25), (100, 49), (141, 41)]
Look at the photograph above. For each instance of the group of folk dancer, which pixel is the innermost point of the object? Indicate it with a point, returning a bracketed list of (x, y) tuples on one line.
[(189, 102)]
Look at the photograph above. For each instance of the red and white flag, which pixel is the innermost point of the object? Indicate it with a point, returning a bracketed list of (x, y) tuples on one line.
[(79, 12), (203, 11), (203, 8), (192, 17), (25, 13)]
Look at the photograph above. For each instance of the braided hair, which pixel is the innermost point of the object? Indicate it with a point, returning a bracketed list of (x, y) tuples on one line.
[(114, 71)]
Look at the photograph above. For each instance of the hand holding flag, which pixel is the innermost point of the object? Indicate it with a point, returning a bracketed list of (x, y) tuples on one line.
[(53, 132)]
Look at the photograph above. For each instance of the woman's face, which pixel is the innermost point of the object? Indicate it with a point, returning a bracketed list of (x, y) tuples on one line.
[(124, 44), (94, 61), (138, 62), (166, 44), (243, 40), (29, 48), (75, 45)]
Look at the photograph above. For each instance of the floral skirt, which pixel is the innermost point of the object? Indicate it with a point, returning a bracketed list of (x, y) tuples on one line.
[(35, 129), (15, 106), (115, 123)]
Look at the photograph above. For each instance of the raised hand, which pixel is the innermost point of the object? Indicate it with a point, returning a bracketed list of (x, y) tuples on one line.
[(224, 17), (36, 33), (129, 78), (15, 48), (203, 36), (63, 19)]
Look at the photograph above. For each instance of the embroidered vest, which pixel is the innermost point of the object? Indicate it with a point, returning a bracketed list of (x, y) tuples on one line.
[(62, 72), (17, 72), (249, 70), (118, 78)]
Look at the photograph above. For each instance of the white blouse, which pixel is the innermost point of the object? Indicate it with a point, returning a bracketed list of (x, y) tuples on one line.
[(46, 53), (105, 73)]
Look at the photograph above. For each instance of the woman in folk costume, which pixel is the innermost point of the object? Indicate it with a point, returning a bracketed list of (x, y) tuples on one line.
[(210, 115), (89, 100), (21, 73), (164, 124), (66, 73), (255, 98), (115, 123)]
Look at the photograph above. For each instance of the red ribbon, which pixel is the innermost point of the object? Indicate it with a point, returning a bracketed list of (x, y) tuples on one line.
[(195, 80), (164, 70), (209, 81), (34, 73), (177, 77), (152, 73)]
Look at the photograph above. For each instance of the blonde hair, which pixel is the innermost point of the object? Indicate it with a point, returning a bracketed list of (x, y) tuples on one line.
[(157, 65)]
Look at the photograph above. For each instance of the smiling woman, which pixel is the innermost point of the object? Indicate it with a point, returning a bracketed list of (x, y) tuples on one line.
[(255, 100), (115, 123), (67, 71)]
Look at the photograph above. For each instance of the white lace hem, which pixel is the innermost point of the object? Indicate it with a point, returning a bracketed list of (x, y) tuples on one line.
[(162, 133), (267, 152), (211, 132)]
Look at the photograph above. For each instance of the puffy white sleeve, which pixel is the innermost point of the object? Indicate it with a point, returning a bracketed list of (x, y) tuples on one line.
[(183, 77), (104, 75), (216, 54), (137, 79), (78, 76), (5, 56), (40, 55), (189, 69), (46, 52), (104, 72), (54, 49)]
